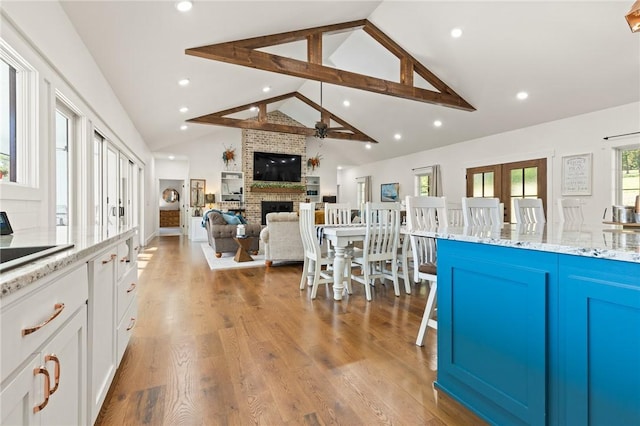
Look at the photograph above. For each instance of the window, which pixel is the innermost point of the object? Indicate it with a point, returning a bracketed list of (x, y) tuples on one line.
[(8, 124), (18, 118), (64, 134), (98, 141), (423, 185), (628, 175)]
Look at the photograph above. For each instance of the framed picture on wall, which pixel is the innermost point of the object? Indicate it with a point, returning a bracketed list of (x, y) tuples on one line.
[(389, 192), (198, 187), (576, 174)]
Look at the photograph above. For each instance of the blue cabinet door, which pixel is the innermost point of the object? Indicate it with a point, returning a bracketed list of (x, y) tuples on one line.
[(492, 329), (600, 341)]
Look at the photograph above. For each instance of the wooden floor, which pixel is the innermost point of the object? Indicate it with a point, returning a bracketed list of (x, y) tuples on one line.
[(246, 346)]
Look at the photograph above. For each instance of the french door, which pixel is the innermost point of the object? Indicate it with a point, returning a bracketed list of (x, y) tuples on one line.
[(508, 181)]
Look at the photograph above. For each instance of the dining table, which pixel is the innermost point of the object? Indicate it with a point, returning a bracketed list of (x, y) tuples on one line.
[(342, 237)]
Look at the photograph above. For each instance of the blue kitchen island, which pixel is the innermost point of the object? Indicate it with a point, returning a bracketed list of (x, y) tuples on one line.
[(540, 325)]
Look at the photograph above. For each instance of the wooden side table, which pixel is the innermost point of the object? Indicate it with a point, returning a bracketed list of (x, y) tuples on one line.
[(244, 243)]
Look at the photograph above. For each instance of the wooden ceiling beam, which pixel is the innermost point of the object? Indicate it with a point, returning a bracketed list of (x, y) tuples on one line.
[(243, 52), (346, 132)]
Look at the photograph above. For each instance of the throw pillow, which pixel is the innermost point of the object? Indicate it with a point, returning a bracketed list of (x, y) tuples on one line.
[(217, 219), (231, 219)]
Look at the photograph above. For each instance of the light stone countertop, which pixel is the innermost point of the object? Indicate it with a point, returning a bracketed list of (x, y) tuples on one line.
[(86, 243), (598, 241)]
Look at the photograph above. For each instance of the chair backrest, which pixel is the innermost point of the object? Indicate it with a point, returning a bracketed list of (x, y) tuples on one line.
[(481, 211), (454, 214), (570, 210), (426, 212), (382, 222), (308, 231), (337, 213), (528, 210)]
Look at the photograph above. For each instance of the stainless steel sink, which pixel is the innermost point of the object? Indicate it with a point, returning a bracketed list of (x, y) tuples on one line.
[(11, 257)]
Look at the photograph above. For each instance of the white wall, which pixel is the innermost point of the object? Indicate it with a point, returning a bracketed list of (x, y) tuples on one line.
[(575, 135), (42, 34)]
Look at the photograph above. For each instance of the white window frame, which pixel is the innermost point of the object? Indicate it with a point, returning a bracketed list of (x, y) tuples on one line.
[(618, 170), (27, 155), (75, 186), (419, 173)]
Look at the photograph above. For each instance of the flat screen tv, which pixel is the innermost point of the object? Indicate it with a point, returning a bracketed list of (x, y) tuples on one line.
[(271, 166)]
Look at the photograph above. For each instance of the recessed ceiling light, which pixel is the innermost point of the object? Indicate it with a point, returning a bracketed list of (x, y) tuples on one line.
[(346, 102), (437, 123), (266, 89), (368, 146), (172, 157), (397, 136), (184, 109), (339, 167), (456, 32), (183, 82), (184, 6), (183, 127), (253, 109), (522, 95)]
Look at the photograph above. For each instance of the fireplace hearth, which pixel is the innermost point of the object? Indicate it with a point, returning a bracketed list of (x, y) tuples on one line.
[(275, 206)]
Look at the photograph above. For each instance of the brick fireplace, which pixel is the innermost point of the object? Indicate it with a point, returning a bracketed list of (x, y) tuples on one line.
[(257, 140)]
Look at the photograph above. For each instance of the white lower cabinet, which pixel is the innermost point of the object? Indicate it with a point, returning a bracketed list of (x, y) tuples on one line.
[(102, 337), (113, 280), (49, 385)]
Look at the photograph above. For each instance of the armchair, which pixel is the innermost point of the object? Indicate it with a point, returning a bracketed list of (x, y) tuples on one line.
[(281, 238), (220, 234)]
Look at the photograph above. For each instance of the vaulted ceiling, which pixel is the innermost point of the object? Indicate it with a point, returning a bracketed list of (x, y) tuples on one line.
[(571, 57)]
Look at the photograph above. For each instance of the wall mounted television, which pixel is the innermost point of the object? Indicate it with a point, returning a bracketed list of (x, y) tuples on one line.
[(270, 166)]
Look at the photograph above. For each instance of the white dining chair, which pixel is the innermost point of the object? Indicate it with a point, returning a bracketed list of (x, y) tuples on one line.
[(314, 258), (454, 214), (478, 211), (337, 214), (426, 213), (382, 224), (528, 210), (570, 210)]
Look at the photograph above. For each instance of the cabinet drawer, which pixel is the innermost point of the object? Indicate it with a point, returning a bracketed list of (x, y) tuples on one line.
[(127, 291), (39, 315), (125, 329), (123, 261)]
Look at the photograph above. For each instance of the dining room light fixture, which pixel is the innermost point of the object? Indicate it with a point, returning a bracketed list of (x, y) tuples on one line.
[(633, 17), (456, 32), (184, 6)]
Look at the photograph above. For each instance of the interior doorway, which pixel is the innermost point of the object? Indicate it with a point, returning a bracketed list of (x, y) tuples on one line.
[(508, 181), (170, 202)]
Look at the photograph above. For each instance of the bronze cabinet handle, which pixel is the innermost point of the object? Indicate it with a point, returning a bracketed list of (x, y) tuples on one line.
[(133, 287), (131, 324), (113, 256), (43, 371), (59, 307), (56, 374)]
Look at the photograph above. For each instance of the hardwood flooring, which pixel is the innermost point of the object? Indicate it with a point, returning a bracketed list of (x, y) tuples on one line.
[(247, 347)]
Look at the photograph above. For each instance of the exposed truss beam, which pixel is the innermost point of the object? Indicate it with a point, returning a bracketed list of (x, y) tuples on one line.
[(345, 132), (245, 53)]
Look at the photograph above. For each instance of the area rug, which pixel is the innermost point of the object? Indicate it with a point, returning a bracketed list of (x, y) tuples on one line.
[(227, 262)]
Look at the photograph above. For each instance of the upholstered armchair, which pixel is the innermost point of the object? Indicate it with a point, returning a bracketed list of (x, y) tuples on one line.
[(281, 238), (220, 234)]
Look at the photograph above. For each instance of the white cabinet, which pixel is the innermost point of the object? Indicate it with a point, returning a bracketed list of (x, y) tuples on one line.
[(196, 231), (113, 281), (102, 337), (44, 352), (313, 189), (232, 186)]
